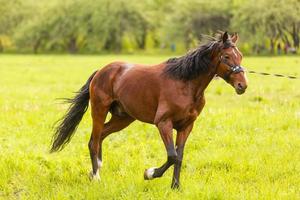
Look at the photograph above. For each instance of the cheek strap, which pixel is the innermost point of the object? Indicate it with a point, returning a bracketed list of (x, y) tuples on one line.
[(233, 69)]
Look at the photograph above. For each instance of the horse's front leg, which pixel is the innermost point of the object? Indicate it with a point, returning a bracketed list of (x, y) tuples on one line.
[(165, 130), (181, 138)]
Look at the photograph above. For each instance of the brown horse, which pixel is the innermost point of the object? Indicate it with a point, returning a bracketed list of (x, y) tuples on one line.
[(169, 95)]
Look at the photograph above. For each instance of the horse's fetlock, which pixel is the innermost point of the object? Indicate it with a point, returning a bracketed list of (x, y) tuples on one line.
[(172, 159)]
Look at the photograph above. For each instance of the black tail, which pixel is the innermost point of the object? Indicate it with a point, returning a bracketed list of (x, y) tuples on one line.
[(68, 123)]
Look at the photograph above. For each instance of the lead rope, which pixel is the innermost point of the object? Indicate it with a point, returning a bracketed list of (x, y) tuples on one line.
[(276, 75)]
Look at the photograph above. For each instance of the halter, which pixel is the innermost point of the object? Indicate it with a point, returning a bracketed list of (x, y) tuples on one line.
[(234, 69)]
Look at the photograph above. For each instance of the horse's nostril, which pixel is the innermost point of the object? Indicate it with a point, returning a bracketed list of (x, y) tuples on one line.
[(240, 86)]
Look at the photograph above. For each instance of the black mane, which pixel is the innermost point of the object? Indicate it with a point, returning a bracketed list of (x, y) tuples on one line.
[(195, 62)]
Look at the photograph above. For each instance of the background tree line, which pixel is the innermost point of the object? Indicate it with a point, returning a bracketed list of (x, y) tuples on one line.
[(96, 26)]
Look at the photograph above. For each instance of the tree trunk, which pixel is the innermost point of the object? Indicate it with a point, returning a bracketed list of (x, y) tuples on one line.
[(36, 46), (141, 41), (187, 39), (1, 46), (286, 39), (272, 46), (72, 46), (295, 35)]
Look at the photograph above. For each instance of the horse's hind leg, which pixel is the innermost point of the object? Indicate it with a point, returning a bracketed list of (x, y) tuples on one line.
[(116, 123), (99, 112)]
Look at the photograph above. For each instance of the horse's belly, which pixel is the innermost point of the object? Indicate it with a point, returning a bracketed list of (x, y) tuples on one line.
[(139, 109), (144, 115)]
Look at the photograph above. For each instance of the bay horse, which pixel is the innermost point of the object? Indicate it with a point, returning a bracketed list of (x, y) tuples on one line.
[(169, 95)]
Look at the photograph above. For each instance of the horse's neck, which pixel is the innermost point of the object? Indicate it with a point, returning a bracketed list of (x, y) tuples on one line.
[(201, 83)]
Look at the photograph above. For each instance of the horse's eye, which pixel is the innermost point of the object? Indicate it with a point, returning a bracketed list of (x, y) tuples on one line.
[(226, 57)]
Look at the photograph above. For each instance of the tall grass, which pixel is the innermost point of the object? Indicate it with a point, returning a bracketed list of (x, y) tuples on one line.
[(242, 147)]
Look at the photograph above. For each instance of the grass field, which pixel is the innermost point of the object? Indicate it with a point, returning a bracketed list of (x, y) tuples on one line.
[(242, 147)]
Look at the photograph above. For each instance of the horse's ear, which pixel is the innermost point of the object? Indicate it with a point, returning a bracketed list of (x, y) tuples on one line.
[(225, 37), (235, 38)]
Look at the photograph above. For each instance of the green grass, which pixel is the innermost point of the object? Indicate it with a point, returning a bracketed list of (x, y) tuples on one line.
[(242, 147)]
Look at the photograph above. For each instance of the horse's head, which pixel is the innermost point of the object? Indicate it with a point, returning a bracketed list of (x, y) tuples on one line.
[(229, 61)]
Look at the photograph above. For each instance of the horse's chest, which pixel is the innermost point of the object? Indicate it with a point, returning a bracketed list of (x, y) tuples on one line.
[(189, 112), (191, 106)]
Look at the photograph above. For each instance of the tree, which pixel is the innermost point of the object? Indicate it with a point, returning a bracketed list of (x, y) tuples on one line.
[(78, 24), (104, 25), (10, 18), (191, 19), (275, 20)]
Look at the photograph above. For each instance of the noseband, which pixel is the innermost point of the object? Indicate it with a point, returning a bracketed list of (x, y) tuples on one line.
[(234, 69)]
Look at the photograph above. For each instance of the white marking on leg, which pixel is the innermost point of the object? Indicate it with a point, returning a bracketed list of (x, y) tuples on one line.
[(150, 172), (100, 164), (94, 177)]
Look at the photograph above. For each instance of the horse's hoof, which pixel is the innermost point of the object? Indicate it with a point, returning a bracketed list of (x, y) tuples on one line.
[(148, 174), (94, 177), (175, 185)]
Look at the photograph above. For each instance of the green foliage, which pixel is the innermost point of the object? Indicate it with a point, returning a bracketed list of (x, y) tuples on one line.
[(275, 20), (12, 14), (241, 147), (198, 17), (103, 25), (85, 25)]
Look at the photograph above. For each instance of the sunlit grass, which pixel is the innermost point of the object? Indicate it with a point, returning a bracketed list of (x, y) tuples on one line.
[(242, 147)]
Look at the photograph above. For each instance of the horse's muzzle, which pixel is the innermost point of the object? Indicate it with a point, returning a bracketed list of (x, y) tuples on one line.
[(240, 88)]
